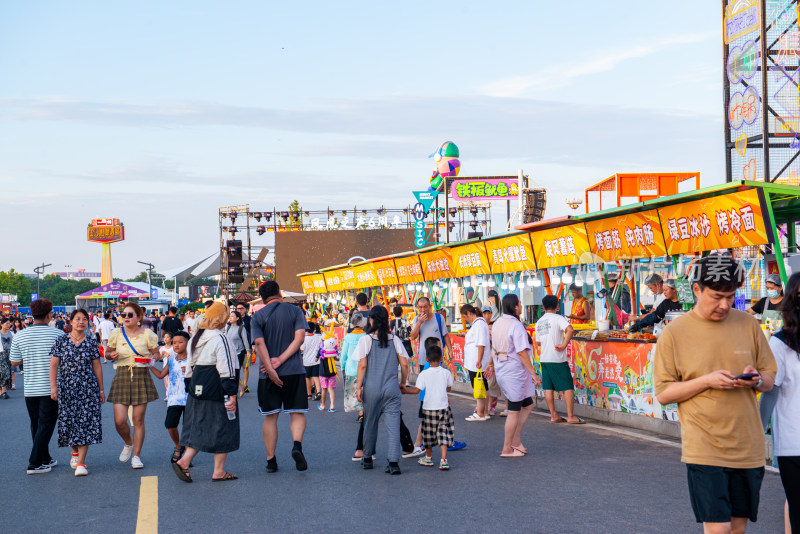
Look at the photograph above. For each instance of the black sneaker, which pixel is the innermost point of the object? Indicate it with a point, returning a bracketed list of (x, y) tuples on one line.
[(393, 468), (360, 418), (299, 459), (52, 463), (366, 463), (4, 396), (272, 465), (39, 470)]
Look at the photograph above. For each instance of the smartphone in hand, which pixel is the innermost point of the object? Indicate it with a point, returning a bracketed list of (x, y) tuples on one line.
[(747, 376)]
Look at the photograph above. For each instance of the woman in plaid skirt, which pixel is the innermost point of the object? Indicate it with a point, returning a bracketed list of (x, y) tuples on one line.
[(135, 349)]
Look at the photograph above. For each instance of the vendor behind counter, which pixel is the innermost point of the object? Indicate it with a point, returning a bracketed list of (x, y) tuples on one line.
[(656, 317), (769, 307)]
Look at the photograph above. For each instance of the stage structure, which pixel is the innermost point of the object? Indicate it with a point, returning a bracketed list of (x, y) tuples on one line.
[(105, 232), (761, 79), (243, 262)]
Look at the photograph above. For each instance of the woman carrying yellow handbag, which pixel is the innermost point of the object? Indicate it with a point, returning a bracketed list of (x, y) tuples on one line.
[(476, 359)]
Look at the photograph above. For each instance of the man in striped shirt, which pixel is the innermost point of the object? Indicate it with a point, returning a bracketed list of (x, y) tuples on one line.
[(31, 347)]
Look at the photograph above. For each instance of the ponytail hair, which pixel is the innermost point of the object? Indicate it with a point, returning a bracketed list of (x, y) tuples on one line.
[(469, 308), (380, 324)]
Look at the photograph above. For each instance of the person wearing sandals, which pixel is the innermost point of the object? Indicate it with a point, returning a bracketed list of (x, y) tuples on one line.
[(210, 422), (76, 382), (511, 354), (377, 386), (174, 372), (476, 356), (134, 349)]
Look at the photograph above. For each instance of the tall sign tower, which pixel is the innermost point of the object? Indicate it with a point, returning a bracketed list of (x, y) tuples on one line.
[(105, 232), (761, 49)]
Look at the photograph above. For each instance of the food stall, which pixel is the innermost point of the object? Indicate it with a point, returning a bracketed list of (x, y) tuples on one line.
[(612, 368)]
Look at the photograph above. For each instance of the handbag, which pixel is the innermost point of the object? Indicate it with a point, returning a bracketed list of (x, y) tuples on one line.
[(479, 389), (205, 383)]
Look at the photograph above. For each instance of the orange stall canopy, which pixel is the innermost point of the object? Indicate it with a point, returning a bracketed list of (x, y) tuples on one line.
[(640, 186)]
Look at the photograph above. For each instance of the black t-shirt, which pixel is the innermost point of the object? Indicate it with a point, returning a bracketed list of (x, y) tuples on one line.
[(665, 307), (172, 324), (246, 320), (276, 324), (764, 304), (60, 324)]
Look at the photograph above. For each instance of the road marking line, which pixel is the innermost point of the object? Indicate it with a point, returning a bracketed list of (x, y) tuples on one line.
[(147, 520)]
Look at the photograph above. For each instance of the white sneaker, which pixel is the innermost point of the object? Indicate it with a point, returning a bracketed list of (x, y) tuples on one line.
[(418, 451), (73, 462), (136, 463), (125, 455), (81, 471)]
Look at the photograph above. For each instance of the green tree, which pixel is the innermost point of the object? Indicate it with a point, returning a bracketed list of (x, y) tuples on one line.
[(59, 291), (141, 277), (16, 284), (295, 219)]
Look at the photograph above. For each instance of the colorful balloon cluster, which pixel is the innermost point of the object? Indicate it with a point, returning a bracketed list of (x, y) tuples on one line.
[(447, 164)]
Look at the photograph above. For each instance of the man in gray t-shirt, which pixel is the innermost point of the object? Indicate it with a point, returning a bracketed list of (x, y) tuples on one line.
[(278, 330), (428, 324)]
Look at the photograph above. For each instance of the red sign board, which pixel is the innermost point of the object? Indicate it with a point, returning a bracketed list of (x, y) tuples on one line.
[(105, 231)]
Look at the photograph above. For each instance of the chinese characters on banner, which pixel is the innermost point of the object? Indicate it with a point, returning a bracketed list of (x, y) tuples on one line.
[(366, 275), (348, 277), (385, 271), (469, 260), (313, 283), (485, 189), (333, 280), (727, 221), (557, 247), (436, 264), (409, 270), (511, 254), (637, 235)]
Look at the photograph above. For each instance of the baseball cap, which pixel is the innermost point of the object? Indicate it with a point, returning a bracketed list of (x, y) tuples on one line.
[(486, 308)]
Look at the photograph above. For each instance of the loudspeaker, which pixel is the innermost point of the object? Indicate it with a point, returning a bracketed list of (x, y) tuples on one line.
[(535, 204), (233, 261)]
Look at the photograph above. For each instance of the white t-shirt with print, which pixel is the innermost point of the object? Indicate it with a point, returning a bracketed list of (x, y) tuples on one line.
[(106, 327), (176, 392), (477, 335), (787, 383), (434, 381), (550, 332)]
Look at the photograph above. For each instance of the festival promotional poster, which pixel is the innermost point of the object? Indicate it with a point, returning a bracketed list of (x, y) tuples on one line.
[(565, 245), (436, 264), (510, 254), (614, 376), (333, 280), (625, 237), (386, 273), (408, 270), (727, 221), (469, 260)]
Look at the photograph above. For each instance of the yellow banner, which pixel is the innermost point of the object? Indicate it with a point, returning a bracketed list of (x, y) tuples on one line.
[(348, 277), (366, 275), (313, 283), (727, 221), (409, 270), (333, 280), (510, 254), (636, 235), (565, 245), (468, 260), (387, 275), (436, 264)]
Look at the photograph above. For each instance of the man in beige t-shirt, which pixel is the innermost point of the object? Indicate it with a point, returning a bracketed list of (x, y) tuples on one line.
[(698, 363)]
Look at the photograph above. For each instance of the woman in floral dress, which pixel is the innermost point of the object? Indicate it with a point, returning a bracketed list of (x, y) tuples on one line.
[(76, 382)]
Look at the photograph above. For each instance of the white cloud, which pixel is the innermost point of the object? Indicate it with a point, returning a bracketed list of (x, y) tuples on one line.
[(563, 74)]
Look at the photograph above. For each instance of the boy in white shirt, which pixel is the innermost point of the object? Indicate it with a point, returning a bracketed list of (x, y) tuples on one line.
[(553, 334), (438, 427)]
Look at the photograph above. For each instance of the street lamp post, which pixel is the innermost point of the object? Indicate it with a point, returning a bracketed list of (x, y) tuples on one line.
[(39, 270), (149, 280)]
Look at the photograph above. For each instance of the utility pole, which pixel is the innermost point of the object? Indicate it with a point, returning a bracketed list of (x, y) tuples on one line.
[(149, 279), (40, 270)]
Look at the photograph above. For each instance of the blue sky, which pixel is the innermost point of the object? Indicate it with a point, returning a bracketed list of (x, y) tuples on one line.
[(160, 112)]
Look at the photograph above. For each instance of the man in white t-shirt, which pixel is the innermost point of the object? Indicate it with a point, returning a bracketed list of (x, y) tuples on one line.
[(104, 329), (553, 334)]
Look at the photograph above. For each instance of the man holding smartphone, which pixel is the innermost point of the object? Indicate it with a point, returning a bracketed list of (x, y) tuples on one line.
[(710, 361)]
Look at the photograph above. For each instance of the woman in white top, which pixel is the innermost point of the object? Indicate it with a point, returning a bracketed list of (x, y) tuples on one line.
[(210, 422), (785, 346), (476, 356)]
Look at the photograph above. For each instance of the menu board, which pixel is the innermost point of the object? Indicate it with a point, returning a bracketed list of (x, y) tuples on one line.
[(625, 237), (386, 273), (510, 254), (436, 264), (565, 245), (468, 260), (408, 269)]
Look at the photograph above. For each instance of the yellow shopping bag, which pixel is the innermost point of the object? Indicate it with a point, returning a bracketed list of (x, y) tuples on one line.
[(479, 389)]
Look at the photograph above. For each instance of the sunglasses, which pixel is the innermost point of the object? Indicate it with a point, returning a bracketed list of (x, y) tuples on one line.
[(129, 315)]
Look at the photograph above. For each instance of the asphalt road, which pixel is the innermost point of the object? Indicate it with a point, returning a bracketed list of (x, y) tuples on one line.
[(576, 479)]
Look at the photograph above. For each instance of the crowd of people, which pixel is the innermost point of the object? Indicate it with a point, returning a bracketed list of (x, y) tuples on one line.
[(710, 362)]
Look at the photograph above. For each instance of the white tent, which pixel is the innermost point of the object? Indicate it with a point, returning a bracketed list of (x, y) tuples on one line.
[(207, 266)]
